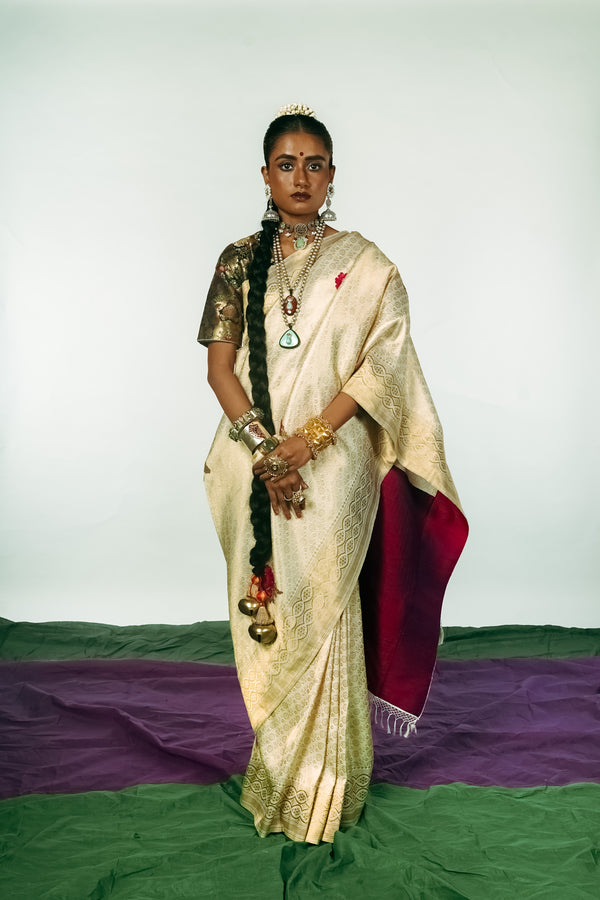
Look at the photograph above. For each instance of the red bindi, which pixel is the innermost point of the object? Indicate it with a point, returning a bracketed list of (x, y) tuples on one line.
[(301, 153)]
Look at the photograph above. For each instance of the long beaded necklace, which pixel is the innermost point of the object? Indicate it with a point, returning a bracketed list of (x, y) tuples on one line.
[(290, 296)]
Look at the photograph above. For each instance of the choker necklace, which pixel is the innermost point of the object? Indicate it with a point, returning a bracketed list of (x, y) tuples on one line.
[(300, 232), (290, 296)]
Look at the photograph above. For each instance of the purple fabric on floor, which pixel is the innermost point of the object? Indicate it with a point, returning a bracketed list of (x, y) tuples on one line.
[(104, 725), (87, 725), (506, 722)]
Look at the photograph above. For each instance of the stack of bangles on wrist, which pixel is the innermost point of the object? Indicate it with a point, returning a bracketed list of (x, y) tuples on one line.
[(249, 429), (317, 433)]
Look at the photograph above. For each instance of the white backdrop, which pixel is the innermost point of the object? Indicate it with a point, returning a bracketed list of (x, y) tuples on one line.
[(467, 145)]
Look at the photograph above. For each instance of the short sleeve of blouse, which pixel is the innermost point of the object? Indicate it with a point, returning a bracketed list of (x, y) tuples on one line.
[(223, 317)]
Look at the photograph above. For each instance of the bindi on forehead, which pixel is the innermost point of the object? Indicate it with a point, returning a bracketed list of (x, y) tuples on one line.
[(301, 153)]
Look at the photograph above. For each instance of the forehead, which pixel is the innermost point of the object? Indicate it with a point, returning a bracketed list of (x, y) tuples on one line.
[(298, 143)]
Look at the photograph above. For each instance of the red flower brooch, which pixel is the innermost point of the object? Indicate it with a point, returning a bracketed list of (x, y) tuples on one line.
[(339, 278)]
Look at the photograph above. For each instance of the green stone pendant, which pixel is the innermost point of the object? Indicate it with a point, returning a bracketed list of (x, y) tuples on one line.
[(300, 242), (289, 339)]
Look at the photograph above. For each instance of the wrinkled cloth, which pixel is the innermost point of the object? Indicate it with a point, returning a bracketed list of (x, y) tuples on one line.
[(188, 842), (85, 725), (211, 641)]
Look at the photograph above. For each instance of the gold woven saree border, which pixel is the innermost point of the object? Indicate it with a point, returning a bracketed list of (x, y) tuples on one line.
[(290, 808)]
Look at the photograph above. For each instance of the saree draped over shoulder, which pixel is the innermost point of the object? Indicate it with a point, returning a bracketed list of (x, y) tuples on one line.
[(306, 694)]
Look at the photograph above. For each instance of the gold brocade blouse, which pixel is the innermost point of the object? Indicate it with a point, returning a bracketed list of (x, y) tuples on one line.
[(223, 317)]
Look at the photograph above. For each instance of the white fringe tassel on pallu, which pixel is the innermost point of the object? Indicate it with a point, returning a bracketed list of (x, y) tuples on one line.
[(392, 718)]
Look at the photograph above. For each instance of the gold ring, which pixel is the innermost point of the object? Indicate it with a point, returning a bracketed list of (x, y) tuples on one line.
[(276, 466), (298, 498)]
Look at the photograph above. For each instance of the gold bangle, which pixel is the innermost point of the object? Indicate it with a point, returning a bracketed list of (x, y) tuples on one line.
[(317, 433)]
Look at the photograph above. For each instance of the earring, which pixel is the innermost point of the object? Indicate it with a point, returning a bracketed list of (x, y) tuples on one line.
[(329, 215), (270, 214)]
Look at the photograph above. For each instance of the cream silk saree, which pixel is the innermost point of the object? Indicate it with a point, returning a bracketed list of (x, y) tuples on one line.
[(306, 694)]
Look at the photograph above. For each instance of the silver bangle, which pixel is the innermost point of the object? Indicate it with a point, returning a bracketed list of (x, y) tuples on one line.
[(242, 421), (270, 444), (253, 435)]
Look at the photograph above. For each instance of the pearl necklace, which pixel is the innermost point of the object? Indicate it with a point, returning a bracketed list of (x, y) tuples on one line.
[(290, 296)]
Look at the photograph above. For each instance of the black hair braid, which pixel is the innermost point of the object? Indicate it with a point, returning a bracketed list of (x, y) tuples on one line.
[(260, 505)]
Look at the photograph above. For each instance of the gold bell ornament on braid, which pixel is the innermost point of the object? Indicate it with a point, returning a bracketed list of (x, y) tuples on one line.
[(263, 628), (264, 634), (249, 606), (261, 590)]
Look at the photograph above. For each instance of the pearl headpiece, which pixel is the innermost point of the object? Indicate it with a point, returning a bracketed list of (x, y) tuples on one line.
[(296, 109)]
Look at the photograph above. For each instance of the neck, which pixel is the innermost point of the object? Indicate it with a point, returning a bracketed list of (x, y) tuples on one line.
[(300, 220)]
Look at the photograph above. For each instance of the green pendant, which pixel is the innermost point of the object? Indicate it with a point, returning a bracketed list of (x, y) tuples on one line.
[(300, 242), (289, 339)]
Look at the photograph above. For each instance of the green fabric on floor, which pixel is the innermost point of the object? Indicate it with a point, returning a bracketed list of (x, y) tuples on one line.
[(151, 842), (198, 642), (181, 842), (458, 841), (211, 641), (502, 641)]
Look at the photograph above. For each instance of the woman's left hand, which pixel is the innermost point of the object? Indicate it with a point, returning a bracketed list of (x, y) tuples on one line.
[(283, 489), (294, 451)]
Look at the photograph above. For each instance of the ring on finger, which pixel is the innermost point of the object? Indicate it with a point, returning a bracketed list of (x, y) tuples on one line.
[(298, 499), (276, 466)]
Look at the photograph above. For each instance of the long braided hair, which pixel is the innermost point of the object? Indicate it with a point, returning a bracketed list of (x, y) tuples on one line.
[(260, 506)]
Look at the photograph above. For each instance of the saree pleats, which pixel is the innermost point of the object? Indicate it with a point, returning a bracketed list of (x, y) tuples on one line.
[(312, 758)]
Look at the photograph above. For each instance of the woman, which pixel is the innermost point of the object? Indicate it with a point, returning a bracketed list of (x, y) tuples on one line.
[(310, 357)]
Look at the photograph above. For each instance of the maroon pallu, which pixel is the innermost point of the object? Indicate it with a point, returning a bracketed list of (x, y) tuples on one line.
[(416, 542)]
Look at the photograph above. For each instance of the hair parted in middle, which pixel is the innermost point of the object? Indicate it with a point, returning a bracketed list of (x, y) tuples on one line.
[(292, 124), (260, 506)]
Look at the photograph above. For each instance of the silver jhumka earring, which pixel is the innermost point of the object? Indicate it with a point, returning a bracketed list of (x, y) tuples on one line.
[(329, 215), (270, 214)]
